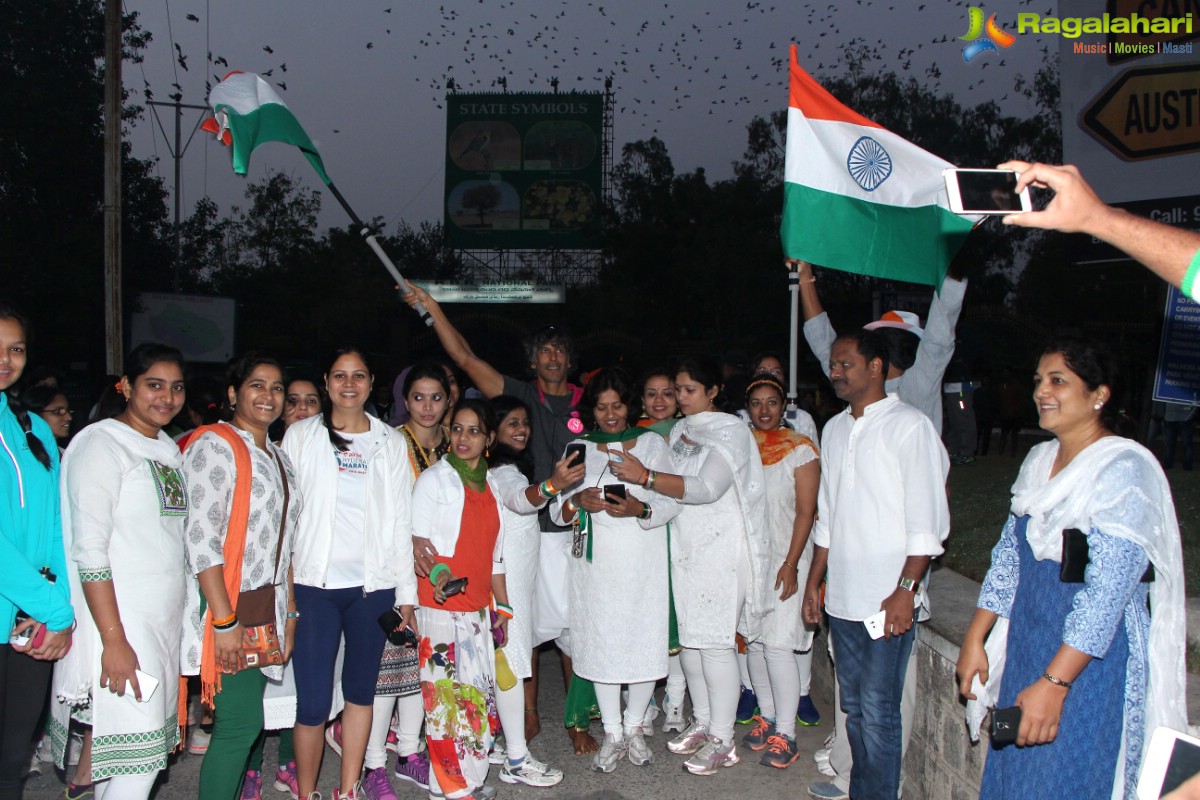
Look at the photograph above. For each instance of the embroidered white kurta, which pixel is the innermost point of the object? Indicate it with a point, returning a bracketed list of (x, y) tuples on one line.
[(784, 627)]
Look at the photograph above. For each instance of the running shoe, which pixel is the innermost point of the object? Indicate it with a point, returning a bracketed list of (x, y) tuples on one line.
[(198, 741), (637, 750), (711, 757), (355, 793), (414, 769), (747, 706), (499, 753), (286, 780), (673, 718), (612, 751), (781, 752), (375, 785), (531, 772), (806, 713), (648, 720), (692, 739), (252, 785), (827, 791), (762, 730), (333, 736), (84, 791)]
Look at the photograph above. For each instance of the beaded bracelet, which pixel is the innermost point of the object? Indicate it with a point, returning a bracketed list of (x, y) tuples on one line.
[(504, 610), (438, 569)]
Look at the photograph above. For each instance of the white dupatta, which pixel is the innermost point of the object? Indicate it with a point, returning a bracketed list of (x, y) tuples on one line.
[(1095, 490)]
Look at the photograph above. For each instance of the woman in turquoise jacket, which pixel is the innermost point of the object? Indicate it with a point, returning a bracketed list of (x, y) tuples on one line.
[(31, 561)]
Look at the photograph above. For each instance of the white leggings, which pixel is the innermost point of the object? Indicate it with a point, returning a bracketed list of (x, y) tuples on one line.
[(126, 787), (608, 697), (676, 682), (410, 713), (780, 676), (713, 679), (510, 705)]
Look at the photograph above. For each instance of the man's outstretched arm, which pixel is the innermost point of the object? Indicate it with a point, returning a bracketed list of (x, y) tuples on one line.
[(482, 374)]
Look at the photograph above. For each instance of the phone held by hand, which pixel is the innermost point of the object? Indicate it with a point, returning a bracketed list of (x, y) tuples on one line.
[(575, 454), (390, 621), (985, 191), (1169, 760), (454, 587), (874, 624), (615, 490), (1004, 725), (147, 683)]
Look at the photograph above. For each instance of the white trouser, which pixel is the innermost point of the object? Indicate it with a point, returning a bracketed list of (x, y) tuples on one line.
[(510, 705), (410, 713), (776, 679), (712, 673), (126, 787), (676, 682), (608, 697)]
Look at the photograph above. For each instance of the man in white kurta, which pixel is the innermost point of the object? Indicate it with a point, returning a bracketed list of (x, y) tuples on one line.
[(882, 514)]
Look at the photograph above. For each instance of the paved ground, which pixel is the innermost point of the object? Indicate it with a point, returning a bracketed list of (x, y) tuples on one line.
[(662, 779)]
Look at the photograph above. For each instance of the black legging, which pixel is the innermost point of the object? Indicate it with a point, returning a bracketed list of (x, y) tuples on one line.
[(24, 687)]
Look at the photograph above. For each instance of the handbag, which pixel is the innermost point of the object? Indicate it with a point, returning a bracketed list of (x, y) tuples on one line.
[(1075, 558), (256, 608)]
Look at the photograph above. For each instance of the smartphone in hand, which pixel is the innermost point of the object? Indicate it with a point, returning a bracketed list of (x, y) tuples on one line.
[(615, 490)]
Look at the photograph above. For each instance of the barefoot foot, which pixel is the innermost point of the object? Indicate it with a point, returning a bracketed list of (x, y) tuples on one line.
[(533, 724), (583, 741)]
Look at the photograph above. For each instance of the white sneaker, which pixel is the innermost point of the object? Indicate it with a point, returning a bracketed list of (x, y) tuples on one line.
[(673, 718), (692, 739), (648, 720), (610, 752), (636, 749), (711, 757), (498, 754), (531, 772)]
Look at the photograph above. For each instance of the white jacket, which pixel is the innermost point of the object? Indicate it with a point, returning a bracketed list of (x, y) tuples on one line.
[(388, 559), (438, 502)]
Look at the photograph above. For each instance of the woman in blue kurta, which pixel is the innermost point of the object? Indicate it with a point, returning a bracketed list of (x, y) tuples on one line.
[(1091, 668)]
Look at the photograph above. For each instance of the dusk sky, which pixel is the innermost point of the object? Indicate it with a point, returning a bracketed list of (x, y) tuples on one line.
[(367, 79)]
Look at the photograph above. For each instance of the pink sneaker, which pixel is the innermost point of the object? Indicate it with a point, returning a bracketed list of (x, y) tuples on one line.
[(252, 785), (393, 742), (287, 781), (414, 769), (333, 736)]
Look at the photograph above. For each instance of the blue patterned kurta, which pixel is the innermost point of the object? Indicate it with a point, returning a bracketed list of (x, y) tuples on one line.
[(1105, 617)]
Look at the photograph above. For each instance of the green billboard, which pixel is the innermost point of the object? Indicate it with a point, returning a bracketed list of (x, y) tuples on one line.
[(523, 170)]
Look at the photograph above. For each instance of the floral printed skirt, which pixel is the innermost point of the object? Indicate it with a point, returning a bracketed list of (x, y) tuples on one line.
[(458, 685)]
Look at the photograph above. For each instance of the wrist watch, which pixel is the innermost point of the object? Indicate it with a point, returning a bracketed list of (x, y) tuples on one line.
[(909, 585)]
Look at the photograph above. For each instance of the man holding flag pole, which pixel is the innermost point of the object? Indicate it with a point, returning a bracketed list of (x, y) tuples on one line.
[(861, 199)]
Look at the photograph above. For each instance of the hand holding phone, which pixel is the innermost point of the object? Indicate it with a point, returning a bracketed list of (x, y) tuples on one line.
[(616, 490), (1169, 761), (576, 452), (874, 624), (985, 191)]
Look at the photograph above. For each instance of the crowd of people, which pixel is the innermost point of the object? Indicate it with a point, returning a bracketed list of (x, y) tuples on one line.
[(370, 585)]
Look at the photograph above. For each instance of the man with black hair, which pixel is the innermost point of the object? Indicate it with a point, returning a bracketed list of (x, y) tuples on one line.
[(882, 515)]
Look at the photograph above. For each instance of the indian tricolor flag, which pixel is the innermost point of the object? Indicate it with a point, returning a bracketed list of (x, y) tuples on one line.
[(247, 112), (858, 197)]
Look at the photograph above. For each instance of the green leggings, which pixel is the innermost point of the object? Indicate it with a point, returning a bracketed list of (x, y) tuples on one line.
[(287, 751), (237, 725)]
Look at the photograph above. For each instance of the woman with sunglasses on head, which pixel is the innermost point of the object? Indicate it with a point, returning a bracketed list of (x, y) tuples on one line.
[(124, 509), (780, 662), (719, 552), (243, 508), (352, 562), (36, 609)]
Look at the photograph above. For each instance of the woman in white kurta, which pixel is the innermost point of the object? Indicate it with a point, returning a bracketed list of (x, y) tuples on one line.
[(619, 583), (718, 553), (124, 507), (780, 662)]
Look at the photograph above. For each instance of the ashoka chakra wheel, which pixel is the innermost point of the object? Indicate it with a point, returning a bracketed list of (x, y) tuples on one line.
[(869, 164)]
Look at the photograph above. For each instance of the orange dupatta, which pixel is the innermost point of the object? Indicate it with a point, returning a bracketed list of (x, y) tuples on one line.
[(774, 445)]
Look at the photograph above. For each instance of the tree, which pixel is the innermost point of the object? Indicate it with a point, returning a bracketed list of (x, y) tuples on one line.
[(483, 198)]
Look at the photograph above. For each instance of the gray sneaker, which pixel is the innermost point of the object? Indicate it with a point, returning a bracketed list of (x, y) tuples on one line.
[(636, 749), (612, 751), (673, 718), (827, 791), (711, 757), (531, 772), (692, 739)]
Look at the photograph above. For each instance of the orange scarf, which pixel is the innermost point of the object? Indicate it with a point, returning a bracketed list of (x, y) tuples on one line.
[(774, 445), (235, 547)]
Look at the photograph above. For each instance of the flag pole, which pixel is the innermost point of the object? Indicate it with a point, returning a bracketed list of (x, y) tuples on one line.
[(793, 334), (373, 243)]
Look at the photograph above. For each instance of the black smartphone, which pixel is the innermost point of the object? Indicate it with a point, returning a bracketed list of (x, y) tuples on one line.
[(1005, 724), (615, 490), (454, 587), (575, 452), (390, 621)]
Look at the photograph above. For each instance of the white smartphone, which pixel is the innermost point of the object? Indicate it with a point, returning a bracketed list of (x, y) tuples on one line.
[(874, 624), (146, 682), (1170, 759), (985, 191)]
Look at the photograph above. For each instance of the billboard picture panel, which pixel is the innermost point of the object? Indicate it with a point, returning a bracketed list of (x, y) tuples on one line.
[(523, 170)]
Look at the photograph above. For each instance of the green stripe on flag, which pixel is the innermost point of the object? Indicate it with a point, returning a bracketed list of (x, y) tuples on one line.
[(271, 122), (893, 242)]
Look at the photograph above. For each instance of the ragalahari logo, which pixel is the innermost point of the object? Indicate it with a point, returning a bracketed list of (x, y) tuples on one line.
[(993, 37)]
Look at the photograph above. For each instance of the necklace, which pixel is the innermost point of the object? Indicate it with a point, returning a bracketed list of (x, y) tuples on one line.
[(421, 457), (686, 448)]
